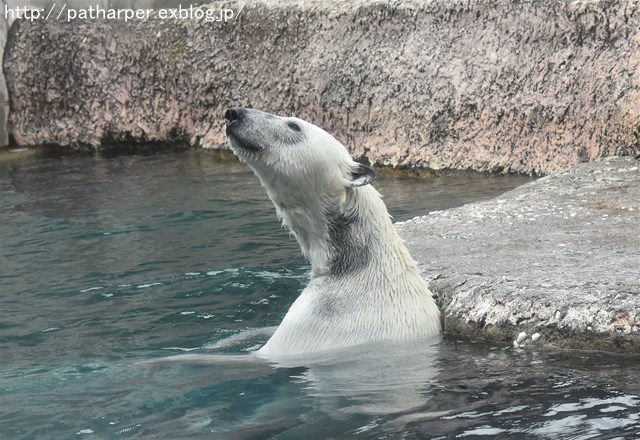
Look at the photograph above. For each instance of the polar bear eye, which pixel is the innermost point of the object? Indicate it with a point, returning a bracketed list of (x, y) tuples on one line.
[(292, 125)]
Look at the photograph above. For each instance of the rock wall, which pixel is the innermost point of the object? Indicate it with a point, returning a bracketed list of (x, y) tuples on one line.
[(504, 86), (9, 10)]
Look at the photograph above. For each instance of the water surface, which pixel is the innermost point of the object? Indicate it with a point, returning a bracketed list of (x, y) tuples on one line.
[(108, 262)]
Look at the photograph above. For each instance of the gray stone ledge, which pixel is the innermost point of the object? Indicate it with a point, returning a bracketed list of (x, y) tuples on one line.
[(559, 256)]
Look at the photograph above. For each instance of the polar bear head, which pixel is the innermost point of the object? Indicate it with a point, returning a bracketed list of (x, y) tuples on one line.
[(292, 150), (309, 176)]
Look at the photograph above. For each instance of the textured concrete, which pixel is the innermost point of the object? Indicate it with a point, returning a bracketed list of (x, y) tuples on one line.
[(559, 256), (529, 87)]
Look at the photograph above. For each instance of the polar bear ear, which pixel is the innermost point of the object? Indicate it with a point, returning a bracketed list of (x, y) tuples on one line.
[(362, 175)]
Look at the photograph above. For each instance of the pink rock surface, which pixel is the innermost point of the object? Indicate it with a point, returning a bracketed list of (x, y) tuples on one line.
[(490, 86)]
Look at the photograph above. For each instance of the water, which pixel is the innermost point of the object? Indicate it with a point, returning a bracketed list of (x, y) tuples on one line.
[(109, 263)]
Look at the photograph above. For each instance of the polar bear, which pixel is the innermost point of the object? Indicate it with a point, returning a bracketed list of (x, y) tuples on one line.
[(364, 285)]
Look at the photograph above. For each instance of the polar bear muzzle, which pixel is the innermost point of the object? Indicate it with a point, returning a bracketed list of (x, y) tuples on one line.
[(253, 131), (237, 121)]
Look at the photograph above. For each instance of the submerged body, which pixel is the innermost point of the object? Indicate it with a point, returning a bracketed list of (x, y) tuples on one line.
[(364, 284)]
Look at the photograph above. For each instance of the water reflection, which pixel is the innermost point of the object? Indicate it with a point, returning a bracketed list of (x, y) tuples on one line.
[(325, 393), (424, 389)]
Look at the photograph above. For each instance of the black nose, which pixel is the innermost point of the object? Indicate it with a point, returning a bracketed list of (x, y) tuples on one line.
[(234, 114)]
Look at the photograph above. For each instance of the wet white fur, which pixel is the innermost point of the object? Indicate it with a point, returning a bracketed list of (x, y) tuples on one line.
[(384, 300)]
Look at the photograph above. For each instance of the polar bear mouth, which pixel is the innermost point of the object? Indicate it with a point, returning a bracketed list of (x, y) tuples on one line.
[(237, 143)]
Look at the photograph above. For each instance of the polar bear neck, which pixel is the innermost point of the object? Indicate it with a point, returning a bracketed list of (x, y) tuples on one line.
[(338, 233)]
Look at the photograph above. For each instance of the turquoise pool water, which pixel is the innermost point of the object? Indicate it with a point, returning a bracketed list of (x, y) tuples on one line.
[(110, 263)]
